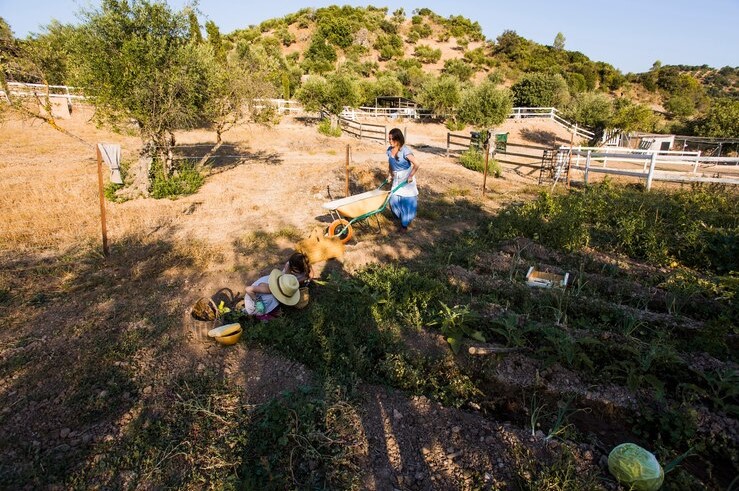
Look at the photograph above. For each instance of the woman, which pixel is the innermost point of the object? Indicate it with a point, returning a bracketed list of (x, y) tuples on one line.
[(403, 167)]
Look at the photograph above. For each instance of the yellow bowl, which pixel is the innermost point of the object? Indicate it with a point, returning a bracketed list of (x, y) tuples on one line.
[(228, 334), (232, 338)]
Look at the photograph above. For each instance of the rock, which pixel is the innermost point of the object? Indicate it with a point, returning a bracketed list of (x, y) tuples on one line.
[(397, 415), (456, 429), (147, 389), (64, 433)]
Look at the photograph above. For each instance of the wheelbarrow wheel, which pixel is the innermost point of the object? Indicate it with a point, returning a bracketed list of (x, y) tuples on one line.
[(342, 229)]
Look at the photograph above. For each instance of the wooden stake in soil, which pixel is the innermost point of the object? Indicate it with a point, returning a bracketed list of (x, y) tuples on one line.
[(347, 170), (485, 174), (106, 252)]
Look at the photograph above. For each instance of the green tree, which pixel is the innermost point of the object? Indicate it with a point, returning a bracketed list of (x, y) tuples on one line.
[(590, 109), (427, 54), (137, 64), (541, 90), (320, 56), (330, 94), (559, 42), (485, 106), (680, 106), (458, 68), (215, 39), (441, 95), (630, 116), (49, 52), (233, 91), (721, 120), (196, 35)]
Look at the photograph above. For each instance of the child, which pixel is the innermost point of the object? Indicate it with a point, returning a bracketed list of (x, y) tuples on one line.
[(300, 266), (264, 296)]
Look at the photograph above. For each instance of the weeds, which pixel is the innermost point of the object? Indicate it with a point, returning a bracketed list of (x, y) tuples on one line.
[(187, 180), (326, 128), (474, 159), (303, 441), (456, 324)]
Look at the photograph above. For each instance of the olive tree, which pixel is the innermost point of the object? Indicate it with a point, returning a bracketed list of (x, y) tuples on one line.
[(441, 95), (590, 109), (485, 106), (329, 94), (721, 120), (142, 71), (541, 90)]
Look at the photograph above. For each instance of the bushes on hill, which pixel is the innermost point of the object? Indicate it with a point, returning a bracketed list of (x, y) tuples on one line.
[(458, 68), (389, 46), (541, 90), (426, 54)]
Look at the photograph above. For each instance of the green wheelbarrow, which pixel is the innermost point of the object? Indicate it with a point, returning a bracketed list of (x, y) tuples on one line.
[(352, 209)]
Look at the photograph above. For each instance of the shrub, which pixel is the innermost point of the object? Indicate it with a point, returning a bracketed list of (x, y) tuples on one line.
[(426, 54), (187, 180), (541, 90), (475, 160), (458, 68), (326, 128)]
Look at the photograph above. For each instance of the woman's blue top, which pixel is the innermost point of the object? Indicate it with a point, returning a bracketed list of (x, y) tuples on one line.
[(399, 162)]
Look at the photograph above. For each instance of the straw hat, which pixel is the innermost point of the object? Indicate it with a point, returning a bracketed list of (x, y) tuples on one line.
[(285, 287)]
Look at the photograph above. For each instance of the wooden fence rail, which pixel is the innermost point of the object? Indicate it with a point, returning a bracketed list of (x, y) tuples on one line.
[(364, 130)]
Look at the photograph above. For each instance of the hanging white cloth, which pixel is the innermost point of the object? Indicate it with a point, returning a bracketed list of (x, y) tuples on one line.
[(111, 153)]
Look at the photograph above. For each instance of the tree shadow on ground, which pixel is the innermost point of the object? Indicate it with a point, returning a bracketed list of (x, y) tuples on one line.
[(542, 137), (79, 362), (223, 157)]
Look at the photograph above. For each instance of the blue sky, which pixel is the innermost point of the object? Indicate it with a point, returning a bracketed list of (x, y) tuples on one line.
[(629, 34)]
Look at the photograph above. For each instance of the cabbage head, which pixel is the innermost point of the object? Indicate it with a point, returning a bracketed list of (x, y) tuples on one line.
[(635, 467)]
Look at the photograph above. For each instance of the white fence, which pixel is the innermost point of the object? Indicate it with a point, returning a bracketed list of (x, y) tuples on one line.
[(39, 90), (684, 167), (291, 107), (553, 114)]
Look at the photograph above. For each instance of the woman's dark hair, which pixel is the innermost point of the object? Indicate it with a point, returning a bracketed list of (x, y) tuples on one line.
[(299, 262), (397, 135)]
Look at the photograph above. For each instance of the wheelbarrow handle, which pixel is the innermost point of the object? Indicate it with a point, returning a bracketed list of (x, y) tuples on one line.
[(396, 187)]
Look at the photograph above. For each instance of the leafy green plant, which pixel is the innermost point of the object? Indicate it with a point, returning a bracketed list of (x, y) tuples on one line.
[(510, 328), (326, 128), (455, 325), (304, 440), (187, 180)]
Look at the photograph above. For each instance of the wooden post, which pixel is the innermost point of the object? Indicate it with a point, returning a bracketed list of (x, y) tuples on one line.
[(485, 175), (448, 135), (106, 252), (587, 166), (347, 170)]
